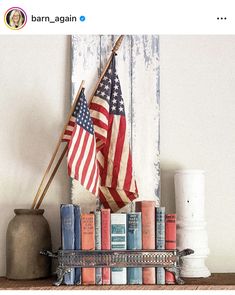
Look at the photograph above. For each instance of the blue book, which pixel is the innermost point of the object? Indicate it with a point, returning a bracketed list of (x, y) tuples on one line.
[(160, 228), (98, 270), (77, 233), (118, 242), (67, 235), (160, 241), (160, 276), (134, 242)]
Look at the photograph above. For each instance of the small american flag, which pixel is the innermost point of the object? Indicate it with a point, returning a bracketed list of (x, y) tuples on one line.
[(81, 156), (118, 186)]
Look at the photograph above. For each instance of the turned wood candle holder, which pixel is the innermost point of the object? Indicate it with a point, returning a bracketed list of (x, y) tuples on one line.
[(191, 224)]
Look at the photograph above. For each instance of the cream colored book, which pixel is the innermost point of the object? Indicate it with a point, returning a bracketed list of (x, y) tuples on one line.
[(118, 242)]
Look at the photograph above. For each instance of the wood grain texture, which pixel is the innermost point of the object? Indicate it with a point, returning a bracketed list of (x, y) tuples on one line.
[(138, 70), (217, 281)]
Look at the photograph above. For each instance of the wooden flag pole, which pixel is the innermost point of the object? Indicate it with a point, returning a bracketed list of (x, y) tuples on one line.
[(51, 177), (58, 145), (114, 50)]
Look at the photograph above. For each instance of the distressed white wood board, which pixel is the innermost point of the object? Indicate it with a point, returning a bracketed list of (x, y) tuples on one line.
[(145, 116), (138, 70)]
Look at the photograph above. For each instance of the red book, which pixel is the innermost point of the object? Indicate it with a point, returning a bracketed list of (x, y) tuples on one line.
[(147, 208), (105, 242), (88, 243), (170, 236)]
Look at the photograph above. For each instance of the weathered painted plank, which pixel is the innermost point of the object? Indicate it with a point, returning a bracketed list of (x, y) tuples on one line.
[(85, 61), (106, 45), (85, 66), (138, 70), (145, 115)]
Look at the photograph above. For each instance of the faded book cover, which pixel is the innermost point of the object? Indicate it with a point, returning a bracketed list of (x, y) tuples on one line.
[(118, 242), (170, 242), (134, 242), (160, 275), (98, 270), (160, 242), (88, 243), (105, 242), (77, 234), (147, 208), (67, 235)]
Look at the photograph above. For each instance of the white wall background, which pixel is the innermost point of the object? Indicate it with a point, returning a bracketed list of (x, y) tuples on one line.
[(34, 98), (197, 120), (197, 88)]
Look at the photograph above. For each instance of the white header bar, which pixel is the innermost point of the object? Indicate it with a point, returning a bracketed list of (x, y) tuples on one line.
[(120, 17)]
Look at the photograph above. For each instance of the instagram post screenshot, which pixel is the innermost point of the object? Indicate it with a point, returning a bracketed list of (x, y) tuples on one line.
[(117, 162)]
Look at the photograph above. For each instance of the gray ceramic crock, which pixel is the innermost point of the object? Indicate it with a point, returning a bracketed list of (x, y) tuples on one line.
[(27, 234)]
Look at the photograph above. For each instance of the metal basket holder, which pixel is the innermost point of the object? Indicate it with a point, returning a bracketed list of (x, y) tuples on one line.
[(69, 259)]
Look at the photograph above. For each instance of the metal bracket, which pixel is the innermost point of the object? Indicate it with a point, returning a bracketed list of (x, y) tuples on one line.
[(61, 271), (171, 260)]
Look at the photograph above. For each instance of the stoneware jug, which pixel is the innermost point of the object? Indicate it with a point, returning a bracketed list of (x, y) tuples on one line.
[(28, 233)]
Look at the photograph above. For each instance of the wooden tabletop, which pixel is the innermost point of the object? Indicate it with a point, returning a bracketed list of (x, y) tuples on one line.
[(217, 281)]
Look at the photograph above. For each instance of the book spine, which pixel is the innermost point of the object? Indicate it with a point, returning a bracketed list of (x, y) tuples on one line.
[(105, 242), (118, 242), (98, 270), (88, 243), (147, 208), (170, 242), (77, 234), (160, 274), (67, 236), (160, 241), (134, 242), (160, 228)]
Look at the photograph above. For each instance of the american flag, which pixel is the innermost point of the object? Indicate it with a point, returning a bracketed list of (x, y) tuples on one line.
[(118, 186), (81, 156)]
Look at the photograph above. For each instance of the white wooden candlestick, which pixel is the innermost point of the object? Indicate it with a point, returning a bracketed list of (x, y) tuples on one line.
[(191, 225)]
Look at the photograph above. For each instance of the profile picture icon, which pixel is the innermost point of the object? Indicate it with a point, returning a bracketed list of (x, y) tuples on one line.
[(15, 18)]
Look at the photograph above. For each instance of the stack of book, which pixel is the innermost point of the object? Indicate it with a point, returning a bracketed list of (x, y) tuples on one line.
[(148, 228)]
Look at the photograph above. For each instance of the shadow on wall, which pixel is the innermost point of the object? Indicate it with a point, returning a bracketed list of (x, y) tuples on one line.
[(167, 186)]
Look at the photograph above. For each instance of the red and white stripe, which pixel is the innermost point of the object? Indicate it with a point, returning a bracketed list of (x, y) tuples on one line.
[(69, 129), (118, 187), (81, 157), (99, 110)]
